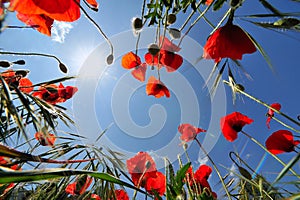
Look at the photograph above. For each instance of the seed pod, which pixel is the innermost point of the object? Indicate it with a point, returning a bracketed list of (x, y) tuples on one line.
[(174, 33), (153, 49), (171, 19), (110, 59)]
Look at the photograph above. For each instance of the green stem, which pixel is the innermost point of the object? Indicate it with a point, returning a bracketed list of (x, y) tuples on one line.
[(266, 150), (193, 24), (215, 167)]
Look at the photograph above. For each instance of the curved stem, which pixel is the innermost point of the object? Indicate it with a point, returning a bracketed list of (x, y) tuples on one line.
[(29, 54), (266, 150), (97, 26), (215, 167)]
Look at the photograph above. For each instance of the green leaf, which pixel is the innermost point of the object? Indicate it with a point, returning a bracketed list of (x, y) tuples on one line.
[(10, 176), (218, 4), (287, 168)]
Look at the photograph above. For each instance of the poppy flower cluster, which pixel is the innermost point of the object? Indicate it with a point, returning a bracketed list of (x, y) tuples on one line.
[(79, 186), (198, 181), (232, 124), (189, 132), (281, 141), (17, 79), (228, 41), (45, 138), (54, 94), (159, 57), (41, 14), (270, 113), (142, 169)]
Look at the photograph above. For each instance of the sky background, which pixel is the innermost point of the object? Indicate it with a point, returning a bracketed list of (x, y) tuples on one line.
[(154, 121)]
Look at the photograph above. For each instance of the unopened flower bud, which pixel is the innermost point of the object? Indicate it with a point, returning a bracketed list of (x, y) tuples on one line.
[(137, 24), (63, 68), (110, 59), (240, 87), (153, 49), (235, 3), (19, 62), (174, 33), (171, 19), (5, 64)]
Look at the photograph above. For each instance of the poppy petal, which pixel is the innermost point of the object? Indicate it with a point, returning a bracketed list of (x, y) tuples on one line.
[(189, 132), (45, 139), (140, 72), (42, 23), (167, 45), (281, 141), (131, 60), (25, 85), (171, 61), (66, 10)]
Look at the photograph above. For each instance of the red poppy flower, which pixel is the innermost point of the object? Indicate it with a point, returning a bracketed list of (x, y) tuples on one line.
[(48, 93), (157, 184), (141, 165), (79, 186), (42, 23), (25, 85), (121, 195), (45, 139), (270, 113), (95, 197), (156, 88), (232, 124), (166, 56), (189, 132), (54, 94), (229, 41), (281, 141), (202, 174)]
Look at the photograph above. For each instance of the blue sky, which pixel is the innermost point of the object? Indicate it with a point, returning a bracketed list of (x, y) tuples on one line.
[(84, 49)]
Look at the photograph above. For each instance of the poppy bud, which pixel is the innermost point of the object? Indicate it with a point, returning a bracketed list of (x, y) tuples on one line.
[(63, 68), (5, 64), (240, 87), (110, 59), (174, 33), (245, 173), (171, 19), (137, 24), (153, 49), (19, 62)]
